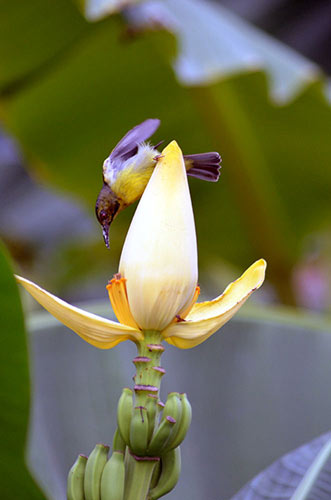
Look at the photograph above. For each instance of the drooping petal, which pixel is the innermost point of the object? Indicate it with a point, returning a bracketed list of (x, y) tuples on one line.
[(98, 331), (159, 257), (207, 317)]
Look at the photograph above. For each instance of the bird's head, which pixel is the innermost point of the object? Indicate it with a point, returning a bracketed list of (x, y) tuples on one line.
[(108, 205)]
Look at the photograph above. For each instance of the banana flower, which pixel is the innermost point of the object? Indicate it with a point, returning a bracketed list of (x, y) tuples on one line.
[(156, 288)]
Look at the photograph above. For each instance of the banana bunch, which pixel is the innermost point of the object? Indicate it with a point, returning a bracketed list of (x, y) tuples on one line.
[(154, 430), (145, 431), (96, 478)]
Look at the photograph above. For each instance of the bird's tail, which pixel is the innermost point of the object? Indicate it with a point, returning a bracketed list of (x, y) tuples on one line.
[(205, 166)]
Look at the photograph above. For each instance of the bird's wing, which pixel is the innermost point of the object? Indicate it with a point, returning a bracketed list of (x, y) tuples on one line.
[(128, 145)]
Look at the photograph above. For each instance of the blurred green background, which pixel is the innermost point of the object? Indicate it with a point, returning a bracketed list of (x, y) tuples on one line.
[(74, 77)]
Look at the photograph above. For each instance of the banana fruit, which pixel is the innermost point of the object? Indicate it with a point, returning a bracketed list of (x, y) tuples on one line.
[(118, 442), (124, 414), (113, 478), (152, 412), (170, 471), (139, 431), (93, 472), (184, 424), (168, 425), (75, 484)]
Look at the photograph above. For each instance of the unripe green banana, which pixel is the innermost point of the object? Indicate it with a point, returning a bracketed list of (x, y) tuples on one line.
[(139, 431), (161, 437), (173, 409), (94, 467), (151, 407), (183, 425), (113, 478), (75, 484), (156, 475), (170, 471), (124, 414), (118, 442)]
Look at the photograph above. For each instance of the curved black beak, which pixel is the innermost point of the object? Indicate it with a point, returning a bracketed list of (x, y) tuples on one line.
[(106, 208), (105, 233)]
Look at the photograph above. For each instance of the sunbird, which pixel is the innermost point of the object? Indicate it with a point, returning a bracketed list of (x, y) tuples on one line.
[(129, 167)]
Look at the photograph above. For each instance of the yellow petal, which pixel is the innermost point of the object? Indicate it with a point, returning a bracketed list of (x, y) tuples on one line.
[(119, 300), (184, 312), (159, 257), (98, 331), (207, 317)]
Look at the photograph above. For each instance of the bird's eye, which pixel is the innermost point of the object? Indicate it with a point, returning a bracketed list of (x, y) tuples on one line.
[(103, 215)]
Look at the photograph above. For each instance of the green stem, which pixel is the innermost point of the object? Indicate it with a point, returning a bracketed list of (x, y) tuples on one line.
[(148, 365), (139, 478), (139, 469)]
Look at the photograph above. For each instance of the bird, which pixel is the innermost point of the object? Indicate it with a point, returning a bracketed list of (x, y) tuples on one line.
[(128, 168)]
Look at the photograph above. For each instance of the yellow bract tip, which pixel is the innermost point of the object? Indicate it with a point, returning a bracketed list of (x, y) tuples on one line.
[(172, 146), (171, 153)]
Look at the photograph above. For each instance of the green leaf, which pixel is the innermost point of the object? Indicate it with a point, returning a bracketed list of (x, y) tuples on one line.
[(275, 165), (16, 481), (302, 474), (34, 34), (71, 118)]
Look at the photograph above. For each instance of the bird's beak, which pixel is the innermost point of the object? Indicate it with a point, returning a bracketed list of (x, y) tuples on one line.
[(105, 233), (106, 208)]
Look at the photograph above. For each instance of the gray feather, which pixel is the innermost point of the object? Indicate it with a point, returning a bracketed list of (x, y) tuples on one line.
[(128, 145)]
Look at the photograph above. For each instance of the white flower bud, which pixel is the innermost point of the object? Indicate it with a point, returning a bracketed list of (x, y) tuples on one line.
[(159, 257)]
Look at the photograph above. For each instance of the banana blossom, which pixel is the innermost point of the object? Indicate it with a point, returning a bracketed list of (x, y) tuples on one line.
[(156, 287)]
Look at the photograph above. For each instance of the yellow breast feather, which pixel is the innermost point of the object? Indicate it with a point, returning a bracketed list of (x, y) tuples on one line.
[(133, 177), (130, 183)]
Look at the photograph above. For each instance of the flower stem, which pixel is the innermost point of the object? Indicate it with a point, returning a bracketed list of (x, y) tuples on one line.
[(149, 372), (139, 478), (139, 469)]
